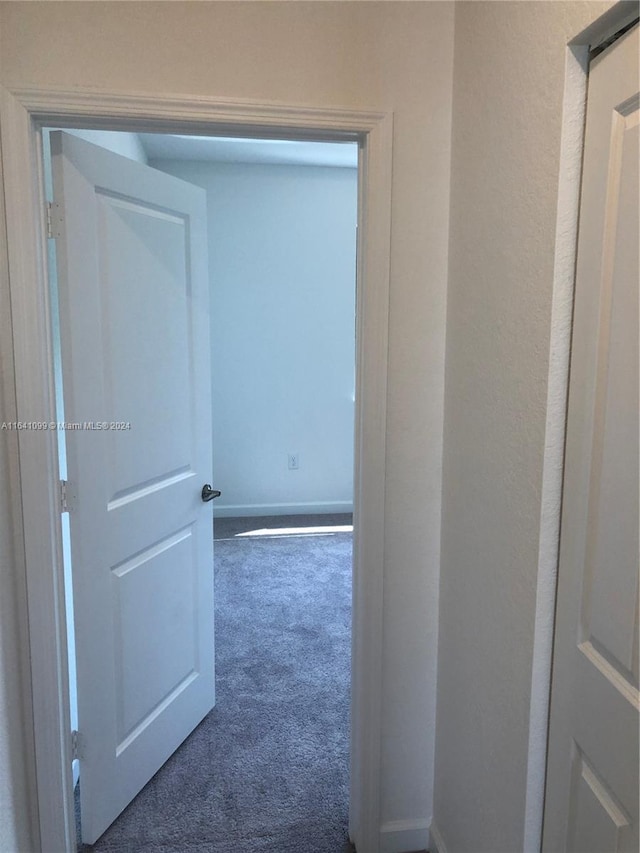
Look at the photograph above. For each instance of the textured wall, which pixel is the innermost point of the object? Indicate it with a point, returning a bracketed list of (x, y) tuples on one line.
[(393, 56), (508, 90)]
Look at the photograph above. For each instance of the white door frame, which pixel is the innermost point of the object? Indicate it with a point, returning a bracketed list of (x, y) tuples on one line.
[(38, 530)]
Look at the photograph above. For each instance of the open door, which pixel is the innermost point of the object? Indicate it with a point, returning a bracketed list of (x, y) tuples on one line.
[(134, 317), (591, 801)]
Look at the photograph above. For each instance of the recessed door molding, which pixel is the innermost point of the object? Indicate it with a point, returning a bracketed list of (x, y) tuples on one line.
[(35, 496)]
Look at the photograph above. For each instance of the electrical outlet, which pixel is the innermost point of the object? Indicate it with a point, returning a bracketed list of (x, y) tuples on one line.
[(294, 461)]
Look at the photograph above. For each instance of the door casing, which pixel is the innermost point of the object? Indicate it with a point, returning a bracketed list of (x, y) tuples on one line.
[(35, 493)]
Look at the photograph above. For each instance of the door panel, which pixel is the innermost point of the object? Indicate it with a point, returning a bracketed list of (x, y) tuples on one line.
[(597, 820), (592, 776), (138, 295), (133, 284)]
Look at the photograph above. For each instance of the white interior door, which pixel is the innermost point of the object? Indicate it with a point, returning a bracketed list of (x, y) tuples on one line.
[(133, 285), (592, 779)]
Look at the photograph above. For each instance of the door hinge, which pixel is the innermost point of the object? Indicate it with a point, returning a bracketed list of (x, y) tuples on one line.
[(64, 496), (75, 745), (54, 220)]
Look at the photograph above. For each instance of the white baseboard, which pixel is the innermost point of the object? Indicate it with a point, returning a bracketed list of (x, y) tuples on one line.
[(249, 510), (404, 836), (437, 841)]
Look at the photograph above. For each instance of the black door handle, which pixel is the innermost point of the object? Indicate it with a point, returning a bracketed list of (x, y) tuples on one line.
[(208, 494)]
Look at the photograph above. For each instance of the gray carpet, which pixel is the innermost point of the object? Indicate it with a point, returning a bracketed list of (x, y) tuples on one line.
[(267, 770)]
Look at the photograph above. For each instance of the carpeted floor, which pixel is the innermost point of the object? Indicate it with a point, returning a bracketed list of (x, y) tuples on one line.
[(267, 770)]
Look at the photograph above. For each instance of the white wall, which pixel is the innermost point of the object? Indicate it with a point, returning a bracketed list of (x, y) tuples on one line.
[(508, 91), (282, 243), (391, 56)]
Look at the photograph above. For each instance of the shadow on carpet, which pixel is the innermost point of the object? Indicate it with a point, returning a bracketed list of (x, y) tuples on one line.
[(267, 770)]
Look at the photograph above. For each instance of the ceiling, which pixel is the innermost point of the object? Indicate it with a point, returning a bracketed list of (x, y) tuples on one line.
[(228, 150)]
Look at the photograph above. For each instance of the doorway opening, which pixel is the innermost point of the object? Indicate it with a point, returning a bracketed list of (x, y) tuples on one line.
[(36, 491), (247, 301)]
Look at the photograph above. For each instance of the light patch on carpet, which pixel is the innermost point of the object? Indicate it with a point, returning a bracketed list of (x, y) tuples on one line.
[(296, 531)]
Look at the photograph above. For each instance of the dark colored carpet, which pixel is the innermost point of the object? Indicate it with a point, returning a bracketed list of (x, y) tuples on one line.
[(267, 770)]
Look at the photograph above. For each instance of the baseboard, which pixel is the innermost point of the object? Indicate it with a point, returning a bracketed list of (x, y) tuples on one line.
[(249, 510), (437, 841), (404, 836)]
